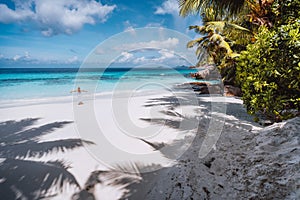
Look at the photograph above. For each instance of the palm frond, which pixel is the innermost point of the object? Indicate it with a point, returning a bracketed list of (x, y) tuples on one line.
[(216, 37), (234, 55), (219, 35), (198, 29), (221, 26), (223, 44), (189, 7), (199, 50), (216, 26), (236, 27), (224, 7), (197, 41)]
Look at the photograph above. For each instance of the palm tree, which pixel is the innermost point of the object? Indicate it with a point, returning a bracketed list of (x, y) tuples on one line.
[(223, 34), (23, 177), (257, 11), (223, 7), (217, 45), (214, 38)]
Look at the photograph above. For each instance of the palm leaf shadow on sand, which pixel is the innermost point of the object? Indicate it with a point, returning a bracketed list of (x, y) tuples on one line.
[(137, 185), (183, 125), (24, 178), (186, 123), (176, 121), (138, 189), (125, 177)]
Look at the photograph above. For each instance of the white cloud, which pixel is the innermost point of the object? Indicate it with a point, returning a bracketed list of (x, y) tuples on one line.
[(18, 57), (122, 49), (9, 16), (99, 51), (26, 54), (129, 28), (55, 17), (156, 44), (164, 56), (72, 60), (171, 7), (125, 57), (153, 24), (141, 60), (168, 7), (25, 59)]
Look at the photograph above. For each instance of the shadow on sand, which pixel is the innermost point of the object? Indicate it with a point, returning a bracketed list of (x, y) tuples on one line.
[(182, 182), (179, 180), (21, 177)]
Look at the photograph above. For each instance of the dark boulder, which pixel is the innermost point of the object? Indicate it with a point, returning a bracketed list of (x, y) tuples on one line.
[(230, 90)]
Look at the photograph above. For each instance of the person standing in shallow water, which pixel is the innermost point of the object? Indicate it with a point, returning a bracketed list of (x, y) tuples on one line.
[(79, 91)]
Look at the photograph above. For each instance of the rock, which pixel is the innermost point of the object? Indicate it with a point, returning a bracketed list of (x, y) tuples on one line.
[(192, 85), (209, 73), (196, 75), (199, 83), (209, 162), (215, 89), (204, 90), (206, 87), (201, 74), (241, 169), (197, 89), (276, 175), (230, 90), (212, 89), (266, 122)]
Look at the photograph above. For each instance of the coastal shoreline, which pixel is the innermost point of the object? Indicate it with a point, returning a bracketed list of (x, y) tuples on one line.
[(223, 172)]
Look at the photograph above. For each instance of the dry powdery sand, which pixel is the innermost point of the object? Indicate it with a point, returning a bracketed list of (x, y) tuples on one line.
[(47, 153)]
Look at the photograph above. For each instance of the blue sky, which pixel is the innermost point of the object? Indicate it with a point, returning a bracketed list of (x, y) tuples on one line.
[(44, 33)]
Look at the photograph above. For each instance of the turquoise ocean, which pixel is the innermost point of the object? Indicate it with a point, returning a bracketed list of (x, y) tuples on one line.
[(41, 83)]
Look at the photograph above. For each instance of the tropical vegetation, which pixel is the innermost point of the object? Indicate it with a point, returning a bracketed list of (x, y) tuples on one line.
[(255, 45)]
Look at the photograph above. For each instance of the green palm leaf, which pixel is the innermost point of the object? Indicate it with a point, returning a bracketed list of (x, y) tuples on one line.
[(236, 27), (197, 41), (198, 29), (227, 7)]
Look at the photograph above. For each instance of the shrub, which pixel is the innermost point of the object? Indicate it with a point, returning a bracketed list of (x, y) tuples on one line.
[(269, 72)]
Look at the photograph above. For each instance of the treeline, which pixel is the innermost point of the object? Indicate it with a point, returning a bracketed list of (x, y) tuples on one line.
[(255, 45)]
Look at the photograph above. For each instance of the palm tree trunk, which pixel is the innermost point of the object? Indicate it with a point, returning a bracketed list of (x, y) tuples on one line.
[(260, 4)]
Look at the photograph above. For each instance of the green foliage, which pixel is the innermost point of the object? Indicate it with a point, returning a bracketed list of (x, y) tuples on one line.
[(266, 66), (218, 7), (216, 46), (269, 72), (287, 11)]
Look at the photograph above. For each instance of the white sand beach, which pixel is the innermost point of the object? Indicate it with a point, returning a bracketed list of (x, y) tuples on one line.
[(162, 136)]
